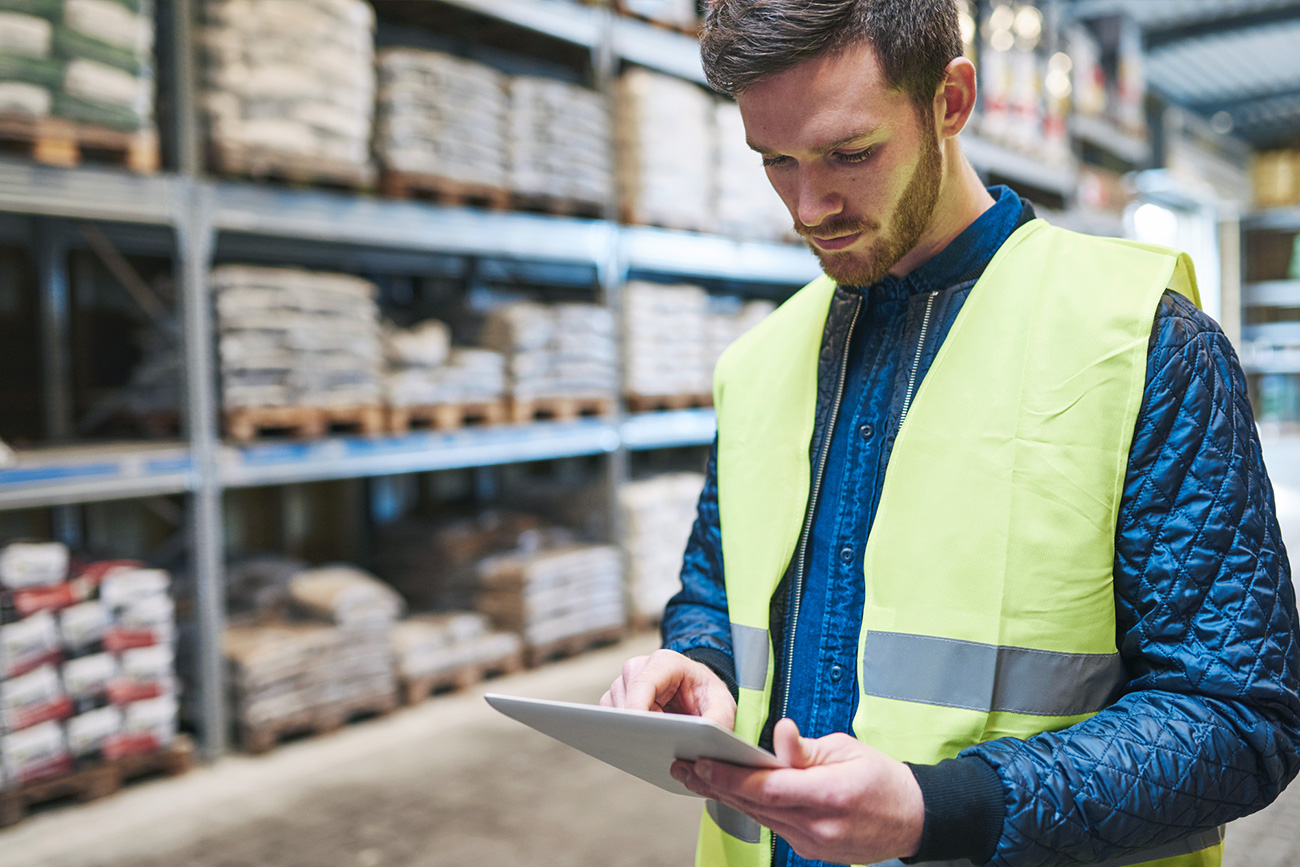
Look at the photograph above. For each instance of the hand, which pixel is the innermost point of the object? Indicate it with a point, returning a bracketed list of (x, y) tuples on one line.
[(668, 681), (839, 801)]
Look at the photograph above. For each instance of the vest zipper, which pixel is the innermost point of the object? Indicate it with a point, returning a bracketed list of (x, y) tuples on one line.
[(801, 562), (916, 360)]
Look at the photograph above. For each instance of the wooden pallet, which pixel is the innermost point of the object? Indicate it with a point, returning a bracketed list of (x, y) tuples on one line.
[(447, 416), (317, 721), (559, 408), (692, 29), (572, 645), (245, 424), (103, 778), (559, 206), (444, 191), (56, 141), (271, 165), (664, 402), (417, 689)]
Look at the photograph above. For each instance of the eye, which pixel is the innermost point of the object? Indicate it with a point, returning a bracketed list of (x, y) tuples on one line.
[(770, 161), (855, 156)]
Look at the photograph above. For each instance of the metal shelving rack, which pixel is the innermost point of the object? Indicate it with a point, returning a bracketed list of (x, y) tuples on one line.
[(191, 218)]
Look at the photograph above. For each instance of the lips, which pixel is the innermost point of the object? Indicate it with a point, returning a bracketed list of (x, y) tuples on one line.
[(838, 243)]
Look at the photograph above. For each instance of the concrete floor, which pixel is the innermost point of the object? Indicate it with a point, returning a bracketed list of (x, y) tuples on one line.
[(450, 783)]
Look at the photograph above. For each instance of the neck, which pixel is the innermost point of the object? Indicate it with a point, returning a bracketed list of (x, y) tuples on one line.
[(962, 198)]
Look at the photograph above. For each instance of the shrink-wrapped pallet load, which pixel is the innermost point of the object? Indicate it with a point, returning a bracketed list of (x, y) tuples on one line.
[(665, 339), (430, 647), (290, 337), (314, 671), (555, 350), (728, 319), (89, 61), (664, 131), (290, 86), (745, 206), (424, 369), (552, 595), (441, 115), (658, 514), (558, 141), (87, 661)]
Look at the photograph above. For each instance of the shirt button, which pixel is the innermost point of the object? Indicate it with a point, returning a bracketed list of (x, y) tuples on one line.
[(866, 431), (837, 672), (846, 554)]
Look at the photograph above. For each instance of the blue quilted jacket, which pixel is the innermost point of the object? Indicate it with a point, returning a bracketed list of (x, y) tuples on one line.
[(1208, 728)]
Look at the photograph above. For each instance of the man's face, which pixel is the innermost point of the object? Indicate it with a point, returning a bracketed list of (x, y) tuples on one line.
[(855, 162)]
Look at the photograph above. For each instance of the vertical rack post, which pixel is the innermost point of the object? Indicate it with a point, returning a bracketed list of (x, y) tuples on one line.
[(196, 236)]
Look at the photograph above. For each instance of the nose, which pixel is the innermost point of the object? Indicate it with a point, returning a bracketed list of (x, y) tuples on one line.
[(817, 197)]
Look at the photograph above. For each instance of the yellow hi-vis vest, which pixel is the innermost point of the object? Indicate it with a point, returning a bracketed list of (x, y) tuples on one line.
[(989, 607)]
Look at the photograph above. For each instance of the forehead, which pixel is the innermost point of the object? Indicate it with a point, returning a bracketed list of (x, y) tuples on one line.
[(821, 100)]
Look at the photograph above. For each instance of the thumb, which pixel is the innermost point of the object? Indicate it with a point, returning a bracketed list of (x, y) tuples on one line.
[(790, 746)]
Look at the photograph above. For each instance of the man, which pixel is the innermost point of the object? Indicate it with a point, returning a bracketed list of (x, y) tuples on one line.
[(986, 551)]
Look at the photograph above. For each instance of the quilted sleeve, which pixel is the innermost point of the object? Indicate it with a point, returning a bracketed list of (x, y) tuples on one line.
[(1208, 729), (695, 620)]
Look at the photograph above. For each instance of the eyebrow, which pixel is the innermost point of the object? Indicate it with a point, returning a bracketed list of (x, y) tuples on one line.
[(838, 143)]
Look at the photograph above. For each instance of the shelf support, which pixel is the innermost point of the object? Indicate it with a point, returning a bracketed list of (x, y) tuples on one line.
[(195, 242)]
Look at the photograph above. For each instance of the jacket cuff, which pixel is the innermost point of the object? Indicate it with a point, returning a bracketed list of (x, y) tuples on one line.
[(720, 662), (965, 805)]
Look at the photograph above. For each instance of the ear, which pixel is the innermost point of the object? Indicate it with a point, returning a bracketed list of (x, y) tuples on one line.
[(955, 99)]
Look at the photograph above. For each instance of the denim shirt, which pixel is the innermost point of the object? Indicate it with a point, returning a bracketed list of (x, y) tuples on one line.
[(830, 612)]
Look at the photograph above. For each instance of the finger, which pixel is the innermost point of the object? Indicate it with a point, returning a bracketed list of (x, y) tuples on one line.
[(653, 686), (791, 748)]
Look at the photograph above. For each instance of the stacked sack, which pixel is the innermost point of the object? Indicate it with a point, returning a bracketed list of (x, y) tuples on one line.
[(746, 206), (288, 81), (558, 141), (329, 658), (658, 514), (665, 339), (665, 135), (89, 61), (290, 337), (729, 318), (548, 595), (431, 647), (441, 115), (424, 369), (87, 663), (555, 350)]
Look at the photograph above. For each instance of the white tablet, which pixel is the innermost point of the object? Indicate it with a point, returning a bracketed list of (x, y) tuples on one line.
[(643, 743)]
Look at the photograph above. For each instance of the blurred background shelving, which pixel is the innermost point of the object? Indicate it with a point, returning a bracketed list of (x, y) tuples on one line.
[(129, 274)]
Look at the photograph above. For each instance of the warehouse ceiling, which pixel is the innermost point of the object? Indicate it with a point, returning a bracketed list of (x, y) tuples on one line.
[(1236, 62)]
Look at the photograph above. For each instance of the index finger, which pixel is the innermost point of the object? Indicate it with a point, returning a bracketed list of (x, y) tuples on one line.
[(655, 684)]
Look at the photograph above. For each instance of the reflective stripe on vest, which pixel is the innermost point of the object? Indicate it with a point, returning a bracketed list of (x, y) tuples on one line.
[(989, 605)]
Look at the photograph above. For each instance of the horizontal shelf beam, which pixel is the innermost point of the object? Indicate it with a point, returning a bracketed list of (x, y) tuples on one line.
[(59, 476), (90, 193), (675, 429), (1103, 134), (713, 256), (988, 156), (1272, 293), (566, 21), (357, 457), (1278, 219), (657, 48)]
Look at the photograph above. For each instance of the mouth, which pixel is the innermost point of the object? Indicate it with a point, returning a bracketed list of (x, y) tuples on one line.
[(836, 243)]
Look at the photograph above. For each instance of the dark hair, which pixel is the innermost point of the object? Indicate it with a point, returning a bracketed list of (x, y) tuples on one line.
[(747, 40)]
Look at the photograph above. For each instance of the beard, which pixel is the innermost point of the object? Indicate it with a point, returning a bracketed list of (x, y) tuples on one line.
[(913, 214)]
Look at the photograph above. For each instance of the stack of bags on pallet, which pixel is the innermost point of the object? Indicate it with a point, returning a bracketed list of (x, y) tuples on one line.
[(89, 61), (558, 141), (676, 13), (730, 317), (290, 337), (658, 513), (746, 206), (555, 350), (328, 658), (87, 662), (665, 339), (424, 369), (550, 595), (437, 647), (290, 84), (441, 115), (665, 134)]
